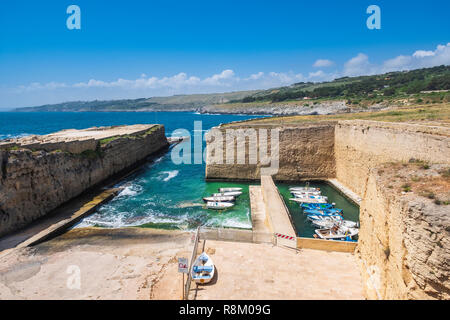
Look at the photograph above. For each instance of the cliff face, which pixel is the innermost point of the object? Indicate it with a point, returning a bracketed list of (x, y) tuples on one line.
[(361, 145), (32, 183), (304, 152), (404, 242)]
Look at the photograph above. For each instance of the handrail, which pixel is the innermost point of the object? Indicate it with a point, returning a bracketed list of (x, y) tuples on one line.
[(191, 263)]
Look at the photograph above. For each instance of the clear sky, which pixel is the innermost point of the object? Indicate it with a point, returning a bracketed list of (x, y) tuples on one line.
[(132, 49)]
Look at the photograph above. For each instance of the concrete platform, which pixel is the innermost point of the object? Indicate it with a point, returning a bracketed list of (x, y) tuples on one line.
[(258, 211), (279, 218), (262, 271), (62, 219)]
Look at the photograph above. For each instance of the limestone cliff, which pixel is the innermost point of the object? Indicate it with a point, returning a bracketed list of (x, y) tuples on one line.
[(304, 152), (404, 244), (404, 240), (34, 182)]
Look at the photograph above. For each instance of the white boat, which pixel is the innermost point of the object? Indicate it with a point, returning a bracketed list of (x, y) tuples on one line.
[(306, 193), (219, 199), (227, 194), (229, 189), (304, 189), (337, 232), (308, 200), (203, 269), (219, 205), (311, 199), (330, 221)]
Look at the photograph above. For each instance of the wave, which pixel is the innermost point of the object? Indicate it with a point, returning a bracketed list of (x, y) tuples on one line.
[(11, 136), (170, 174), (130, 191), (124, 219)]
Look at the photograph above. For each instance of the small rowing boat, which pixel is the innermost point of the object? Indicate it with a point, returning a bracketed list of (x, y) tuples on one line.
[(337, 232), (323, 212), (305, 193), (331, 220), (317, 206), (307, 197), (308, 200), (219, 205), (227, 194), (219, 199), (203, 269), (229, 189), (304, 189)]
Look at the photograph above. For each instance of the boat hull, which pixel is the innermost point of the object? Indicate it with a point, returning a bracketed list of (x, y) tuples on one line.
[(206, 276)]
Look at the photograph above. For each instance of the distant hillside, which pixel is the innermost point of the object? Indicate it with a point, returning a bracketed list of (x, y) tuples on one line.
[(363, 87), (360, 91), (193, 102)]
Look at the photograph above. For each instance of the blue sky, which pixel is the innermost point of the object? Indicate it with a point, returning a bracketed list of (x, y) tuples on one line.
[(131, 49)]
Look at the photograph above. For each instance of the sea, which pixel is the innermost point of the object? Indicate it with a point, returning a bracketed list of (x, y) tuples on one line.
[(161, 194)]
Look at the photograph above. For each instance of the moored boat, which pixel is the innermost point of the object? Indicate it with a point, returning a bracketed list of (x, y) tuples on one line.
[(337, 232), (227, 194), (317, 206), (304, 189), (219, 205), (219, 199), (323, 211), (229, 189), (331, 220), (308, 200), (305, 193), (203, 269), (311, 197)]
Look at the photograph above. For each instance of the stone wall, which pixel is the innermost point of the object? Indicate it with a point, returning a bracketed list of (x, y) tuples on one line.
[(404, 243), (304, 152), (33, 183)]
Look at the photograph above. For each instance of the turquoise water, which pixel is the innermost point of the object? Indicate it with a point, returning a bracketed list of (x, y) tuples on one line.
[(161, 194), (303, 227)]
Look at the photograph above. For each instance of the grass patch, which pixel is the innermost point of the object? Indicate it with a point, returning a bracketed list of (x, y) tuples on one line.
[(406, 187)]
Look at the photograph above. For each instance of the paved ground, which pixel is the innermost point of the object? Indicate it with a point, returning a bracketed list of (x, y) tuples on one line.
[(258, 210), (135, 263), (261, 271), (112, 264)]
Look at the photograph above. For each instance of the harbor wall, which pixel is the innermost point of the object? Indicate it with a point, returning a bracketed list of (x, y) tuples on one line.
[(35, 182), (404, 238), (305, 152)]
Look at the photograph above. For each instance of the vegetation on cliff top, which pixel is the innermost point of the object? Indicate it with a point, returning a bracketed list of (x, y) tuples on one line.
[(436, 114), (356, 91)]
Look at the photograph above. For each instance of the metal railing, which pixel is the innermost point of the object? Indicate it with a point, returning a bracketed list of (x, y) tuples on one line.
[(187, 286)]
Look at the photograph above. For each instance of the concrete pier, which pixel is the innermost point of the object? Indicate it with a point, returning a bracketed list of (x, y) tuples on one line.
[(277, 215)]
